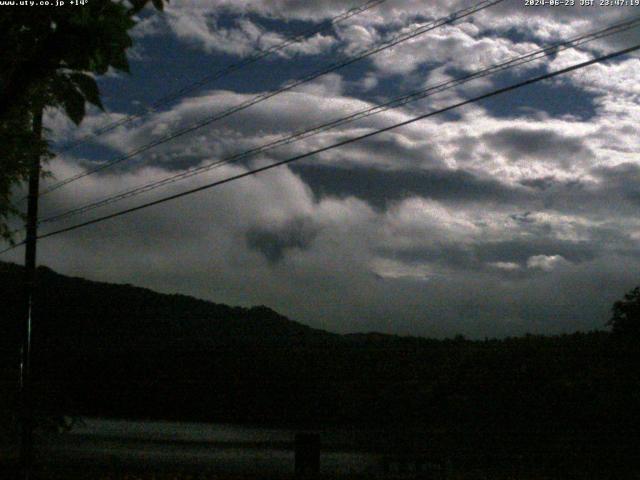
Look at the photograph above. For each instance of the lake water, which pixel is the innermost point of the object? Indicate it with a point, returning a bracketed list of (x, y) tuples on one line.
[(211, 447)]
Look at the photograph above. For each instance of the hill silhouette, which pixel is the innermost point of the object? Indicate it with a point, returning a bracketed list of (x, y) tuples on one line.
[(120, 316), (123, 351)]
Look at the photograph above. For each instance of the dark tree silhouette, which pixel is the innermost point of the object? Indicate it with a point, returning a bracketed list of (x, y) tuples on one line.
[(626, 315), (49, 58), (562, 406)]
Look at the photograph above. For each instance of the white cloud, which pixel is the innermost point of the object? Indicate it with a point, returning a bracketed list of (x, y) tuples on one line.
[(387, 268), (357, 38), (459, 46), (547, 263), (508, 266), (569, 211), (242, 39)]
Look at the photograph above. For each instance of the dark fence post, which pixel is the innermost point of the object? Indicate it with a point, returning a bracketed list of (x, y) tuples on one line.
[(307, 451)]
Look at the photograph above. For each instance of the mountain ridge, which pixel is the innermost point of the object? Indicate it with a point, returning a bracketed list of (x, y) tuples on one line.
[(76, 307), (119, 351)]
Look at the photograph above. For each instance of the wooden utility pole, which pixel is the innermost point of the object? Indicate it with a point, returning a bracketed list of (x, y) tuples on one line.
[(26, 394)]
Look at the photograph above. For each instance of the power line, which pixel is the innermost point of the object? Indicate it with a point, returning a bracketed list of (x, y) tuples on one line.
[(208, 79), (346, 142), (394, 103), (265, 96), (259, 55), (11, 247)]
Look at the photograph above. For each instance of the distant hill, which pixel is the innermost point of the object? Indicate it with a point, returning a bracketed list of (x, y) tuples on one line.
[(92, 315), (123, 351)]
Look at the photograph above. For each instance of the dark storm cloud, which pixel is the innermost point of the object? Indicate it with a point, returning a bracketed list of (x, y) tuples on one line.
[(539, 183), (542, 144), (478, 257), (390, 146), (519, 250), (379, 187), (612, 195), (622, 179), (273, 242), (504, 244)]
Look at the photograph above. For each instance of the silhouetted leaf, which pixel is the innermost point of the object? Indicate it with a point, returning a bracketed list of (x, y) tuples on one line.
[(120, 61), (89, 88), (73, 103), (45, 57)]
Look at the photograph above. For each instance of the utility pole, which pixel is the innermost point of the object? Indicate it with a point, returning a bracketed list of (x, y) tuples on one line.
[(26, 394)]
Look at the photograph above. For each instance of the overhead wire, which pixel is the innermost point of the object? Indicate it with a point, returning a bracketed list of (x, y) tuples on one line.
[(396, 40), (255, 171), (394, 103), (223, 72)]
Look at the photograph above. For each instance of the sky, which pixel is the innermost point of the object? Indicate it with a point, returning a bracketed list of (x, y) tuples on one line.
[(509, 216)]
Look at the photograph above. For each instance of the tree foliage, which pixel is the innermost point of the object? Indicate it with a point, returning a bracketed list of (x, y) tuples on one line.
[(626, 315), (50, 58), (568, 401)]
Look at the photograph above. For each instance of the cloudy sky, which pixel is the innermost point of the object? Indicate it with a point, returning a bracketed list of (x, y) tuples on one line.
[(513, 215)]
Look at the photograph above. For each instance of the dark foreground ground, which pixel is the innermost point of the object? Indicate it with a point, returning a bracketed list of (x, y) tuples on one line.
[(65, 473), (596, 463), (534, 407)]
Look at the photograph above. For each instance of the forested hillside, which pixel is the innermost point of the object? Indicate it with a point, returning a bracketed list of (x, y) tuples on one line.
[(122, 351)]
